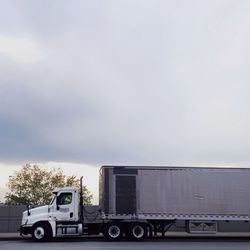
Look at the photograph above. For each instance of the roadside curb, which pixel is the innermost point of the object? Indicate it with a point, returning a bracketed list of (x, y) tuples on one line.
[(11, 236)]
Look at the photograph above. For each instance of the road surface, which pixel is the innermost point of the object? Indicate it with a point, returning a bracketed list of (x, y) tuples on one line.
[(168, 244)]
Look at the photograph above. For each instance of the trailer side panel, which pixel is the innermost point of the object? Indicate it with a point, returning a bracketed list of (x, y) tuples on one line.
[(190, 191)]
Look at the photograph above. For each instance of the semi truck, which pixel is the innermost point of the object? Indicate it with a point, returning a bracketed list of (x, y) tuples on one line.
[(139, 202)]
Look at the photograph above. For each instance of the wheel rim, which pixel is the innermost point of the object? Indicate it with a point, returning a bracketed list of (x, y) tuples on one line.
[(39, 233), (138, 231), (114, 231)]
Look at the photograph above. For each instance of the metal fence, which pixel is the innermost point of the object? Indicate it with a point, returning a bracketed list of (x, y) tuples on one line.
[(10, 217)]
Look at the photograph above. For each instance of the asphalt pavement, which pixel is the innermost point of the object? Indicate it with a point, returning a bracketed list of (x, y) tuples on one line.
[(96, 244), (13, 241), (170, 235)]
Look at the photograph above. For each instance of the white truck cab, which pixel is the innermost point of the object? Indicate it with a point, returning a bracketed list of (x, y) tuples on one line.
[(60, 217)]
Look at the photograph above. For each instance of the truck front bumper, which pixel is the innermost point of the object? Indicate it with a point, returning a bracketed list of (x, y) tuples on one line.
[(25, 229)]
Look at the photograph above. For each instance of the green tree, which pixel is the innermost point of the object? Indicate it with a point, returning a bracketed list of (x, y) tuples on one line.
[(33, 185)]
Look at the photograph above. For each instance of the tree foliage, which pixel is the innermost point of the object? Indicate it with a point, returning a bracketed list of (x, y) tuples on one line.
[(34, 184)]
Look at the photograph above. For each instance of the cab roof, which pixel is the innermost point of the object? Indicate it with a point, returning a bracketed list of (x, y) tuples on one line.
[(56, 190)]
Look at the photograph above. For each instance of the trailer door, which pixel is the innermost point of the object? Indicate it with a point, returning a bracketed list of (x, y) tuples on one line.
[(125, 194)]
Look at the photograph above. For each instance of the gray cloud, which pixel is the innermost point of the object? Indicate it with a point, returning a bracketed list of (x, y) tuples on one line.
[(134, 82)]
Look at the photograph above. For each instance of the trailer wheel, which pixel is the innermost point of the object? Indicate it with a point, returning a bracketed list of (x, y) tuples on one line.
[(41, 232), (137, 231), (113, 231)]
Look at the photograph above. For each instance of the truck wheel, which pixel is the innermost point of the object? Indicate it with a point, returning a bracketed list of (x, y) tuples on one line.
[(137, 231), (41, 232), (113, 231)]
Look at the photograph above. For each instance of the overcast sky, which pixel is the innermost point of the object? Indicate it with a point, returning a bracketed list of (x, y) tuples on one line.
[(125, 82)]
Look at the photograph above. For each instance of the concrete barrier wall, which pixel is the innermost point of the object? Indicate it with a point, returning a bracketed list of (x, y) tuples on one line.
[(10, 217)]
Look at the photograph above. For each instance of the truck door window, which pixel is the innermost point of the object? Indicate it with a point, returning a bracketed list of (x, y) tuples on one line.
[(64, 199)]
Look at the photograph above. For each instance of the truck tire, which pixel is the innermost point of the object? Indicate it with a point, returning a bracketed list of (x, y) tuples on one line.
[(41, 232), (137, 231), (113, 231)]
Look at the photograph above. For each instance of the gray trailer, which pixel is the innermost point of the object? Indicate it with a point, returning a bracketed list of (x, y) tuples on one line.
[(190, 199)]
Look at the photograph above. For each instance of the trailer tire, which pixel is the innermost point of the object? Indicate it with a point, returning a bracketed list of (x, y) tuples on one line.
[(113, 231), (137, 231), (41, 232)]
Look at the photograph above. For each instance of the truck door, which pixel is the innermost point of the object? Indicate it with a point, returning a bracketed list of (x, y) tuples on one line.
[(65, 207)]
